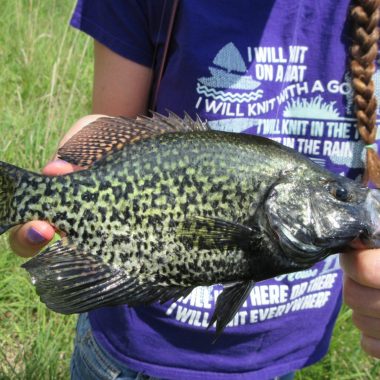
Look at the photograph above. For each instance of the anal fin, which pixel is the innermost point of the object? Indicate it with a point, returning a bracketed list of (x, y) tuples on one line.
[(71, 281)]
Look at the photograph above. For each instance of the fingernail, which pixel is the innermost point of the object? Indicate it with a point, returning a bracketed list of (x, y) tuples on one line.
[(58, 161), (34, 236)]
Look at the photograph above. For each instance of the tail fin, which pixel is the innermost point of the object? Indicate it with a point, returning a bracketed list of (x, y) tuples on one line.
[(9, 178)]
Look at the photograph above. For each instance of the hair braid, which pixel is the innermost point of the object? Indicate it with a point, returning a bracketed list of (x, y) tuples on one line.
[(365, 15)]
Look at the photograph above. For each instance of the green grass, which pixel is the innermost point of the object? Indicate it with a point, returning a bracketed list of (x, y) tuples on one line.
[(45, 82)]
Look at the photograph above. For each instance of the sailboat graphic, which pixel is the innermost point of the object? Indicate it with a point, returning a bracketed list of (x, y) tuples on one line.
[(229, 72)]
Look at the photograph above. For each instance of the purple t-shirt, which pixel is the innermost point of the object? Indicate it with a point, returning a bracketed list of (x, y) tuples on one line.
[(274, 68)]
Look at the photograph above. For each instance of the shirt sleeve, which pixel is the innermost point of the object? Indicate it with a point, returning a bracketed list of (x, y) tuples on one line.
[(134, 29)]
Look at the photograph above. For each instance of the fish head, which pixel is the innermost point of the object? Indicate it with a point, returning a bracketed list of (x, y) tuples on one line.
[(314, 217)]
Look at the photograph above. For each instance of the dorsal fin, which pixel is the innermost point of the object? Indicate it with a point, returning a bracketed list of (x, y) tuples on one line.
[(107, 135)]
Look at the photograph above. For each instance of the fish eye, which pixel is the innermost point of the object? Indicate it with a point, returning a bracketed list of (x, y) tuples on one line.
[(340, 193)]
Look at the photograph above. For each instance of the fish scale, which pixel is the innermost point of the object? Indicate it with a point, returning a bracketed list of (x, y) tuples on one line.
[(164, 205)]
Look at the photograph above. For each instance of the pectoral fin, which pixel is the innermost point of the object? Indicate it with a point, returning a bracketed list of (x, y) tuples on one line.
[(209, 233)]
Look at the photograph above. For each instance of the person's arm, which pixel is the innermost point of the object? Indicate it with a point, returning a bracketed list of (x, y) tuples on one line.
[(121, 87)]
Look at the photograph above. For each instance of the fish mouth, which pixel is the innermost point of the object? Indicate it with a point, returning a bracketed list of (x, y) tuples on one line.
[(367, 241), (370, 238)]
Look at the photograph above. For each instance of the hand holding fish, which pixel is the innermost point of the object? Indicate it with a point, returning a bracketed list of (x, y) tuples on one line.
[(362, 294), (28, 239)]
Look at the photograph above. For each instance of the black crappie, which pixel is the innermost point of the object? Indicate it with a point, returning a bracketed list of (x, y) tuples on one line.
[(166, 205)]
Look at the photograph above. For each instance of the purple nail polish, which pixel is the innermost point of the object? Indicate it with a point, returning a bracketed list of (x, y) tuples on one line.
[(34, 237)]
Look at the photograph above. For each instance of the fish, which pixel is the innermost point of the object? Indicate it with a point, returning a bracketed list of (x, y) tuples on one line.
[(164, 204)]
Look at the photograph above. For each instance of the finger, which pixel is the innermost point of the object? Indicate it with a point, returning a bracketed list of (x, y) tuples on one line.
[(362, 299), (363, 266), (371, 346), (59, 167), (28, 239), (78, 125), (369, 326)]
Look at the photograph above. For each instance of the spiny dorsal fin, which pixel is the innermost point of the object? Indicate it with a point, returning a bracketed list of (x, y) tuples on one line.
[(107, 135)]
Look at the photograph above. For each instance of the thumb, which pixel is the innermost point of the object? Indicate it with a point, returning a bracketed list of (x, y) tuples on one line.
[(28, 239), (59, 167)]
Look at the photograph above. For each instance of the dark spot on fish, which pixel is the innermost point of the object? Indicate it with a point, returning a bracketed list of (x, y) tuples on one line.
[(89, 216), (104, 185), (129, 187), (215, 204), (193, 267), (90, 197), (165, 189), (206, 266), (153, 219), (181, 189), (76, 207), (198, 185), (120, 239), (49, 191), (191, 198), (124, 257), (135, 206), (224, 197), (160, 261), (103, 212), (178, 278), (116, 191), (138, 219), (85, 235), (112, 257), (116, 216), (72, 233), (45, 207), (186, 181), (75, 187), (59, 216), (35, 199), (71, 221), (127, 213)]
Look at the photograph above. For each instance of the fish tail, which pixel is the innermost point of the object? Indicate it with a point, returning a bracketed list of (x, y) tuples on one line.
[(10, 179)]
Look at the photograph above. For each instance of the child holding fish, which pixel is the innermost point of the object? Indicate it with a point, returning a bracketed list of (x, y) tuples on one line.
[(256, 68)]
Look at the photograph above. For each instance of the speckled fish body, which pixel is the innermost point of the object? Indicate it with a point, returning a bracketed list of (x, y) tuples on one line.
[(162, 212), (127, 210)]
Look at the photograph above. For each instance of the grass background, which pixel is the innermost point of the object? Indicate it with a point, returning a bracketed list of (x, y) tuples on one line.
[(45, 83)]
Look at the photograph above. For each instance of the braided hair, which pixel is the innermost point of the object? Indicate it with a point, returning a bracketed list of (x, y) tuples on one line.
[(365, 15)]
